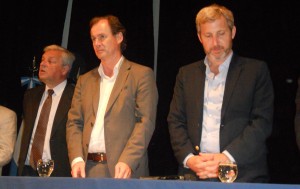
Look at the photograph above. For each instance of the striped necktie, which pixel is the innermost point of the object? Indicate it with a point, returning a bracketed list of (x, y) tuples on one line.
[(40, 132)]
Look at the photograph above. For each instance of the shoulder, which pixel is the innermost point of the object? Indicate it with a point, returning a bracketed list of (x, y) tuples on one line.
[(246, 61), (194, 65), (192, 68), (89, 77), (6, 112), (136, 70), (35, 90), (90, 74), (69, 89), (249, 66), (136, 66)]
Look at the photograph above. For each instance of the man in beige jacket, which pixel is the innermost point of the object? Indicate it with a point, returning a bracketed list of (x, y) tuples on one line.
[(112, 116), (8, 132)]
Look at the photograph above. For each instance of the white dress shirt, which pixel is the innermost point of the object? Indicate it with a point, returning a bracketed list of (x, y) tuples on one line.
[(97, 142)]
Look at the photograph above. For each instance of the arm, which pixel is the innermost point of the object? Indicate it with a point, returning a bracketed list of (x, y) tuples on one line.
[(74, 129), (146, 97), (177, 121), (249, 116)]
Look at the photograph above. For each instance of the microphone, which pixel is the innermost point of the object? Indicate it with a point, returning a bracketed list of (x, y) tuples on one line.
[(189, 177)]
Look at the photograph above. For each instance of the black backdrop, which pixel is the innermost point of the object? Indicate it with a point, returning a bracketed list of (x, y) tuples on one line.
[(265, 30)]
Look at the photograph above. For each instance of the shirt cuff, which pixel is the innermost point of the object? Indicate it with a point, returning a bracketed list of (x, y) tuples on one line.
[(76, 160), (185, 160), (228, 155)]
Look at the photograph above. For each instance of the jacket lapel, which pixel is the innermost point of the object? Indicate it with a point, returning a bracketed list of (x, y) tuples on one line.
[(199, 82), (35, 102), (233, 74), (96, 91), (63, 108), (120, 82), (199, 90)]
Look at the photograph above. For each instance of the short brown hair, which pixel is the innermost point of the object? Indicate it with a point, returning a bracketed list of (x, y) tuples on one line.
[(213, 12), (115, 25)]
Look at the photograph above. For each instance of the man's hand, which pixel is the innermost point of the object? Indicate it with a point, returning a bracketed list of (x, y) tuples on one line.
[(122, 170), (78, 170), (218, 157), (205, 165)]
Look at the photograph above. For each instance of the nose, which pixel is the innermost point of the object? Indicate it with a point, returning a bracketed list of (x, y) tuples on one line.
[(42, 63), (215, 40), (97, 42)]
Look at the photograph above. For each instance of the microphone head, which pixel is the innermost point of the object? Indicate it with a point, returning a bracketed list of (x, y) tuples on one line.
[(188, 177)]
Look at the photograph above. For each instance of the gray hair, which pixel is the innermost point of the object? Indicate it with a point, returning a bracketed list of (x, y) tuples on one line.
[(67, 56)]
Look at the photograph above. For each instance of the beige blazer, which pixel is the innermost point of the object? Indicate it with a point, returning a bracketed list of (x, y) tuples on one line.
[(8, 133), (129, 118)]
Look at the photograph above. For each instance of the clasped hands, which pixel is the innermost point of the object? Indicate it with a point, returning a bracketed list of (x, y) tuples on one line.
[(205, 165)]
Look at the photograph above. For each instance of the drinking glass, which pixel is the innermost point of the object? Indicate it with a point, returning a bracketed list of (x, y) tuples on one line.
[(227, 172), (45, 167)]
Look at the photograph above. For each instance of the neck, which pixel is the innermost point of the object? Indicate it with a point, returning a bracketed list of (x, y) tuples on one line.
[(214, 69), (109, 64), (52, 84)]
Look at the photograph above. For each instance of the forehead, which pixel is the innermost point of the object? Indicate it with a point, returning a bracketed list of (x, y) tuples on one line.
[(52, 54), (217, 24), (102, 26)]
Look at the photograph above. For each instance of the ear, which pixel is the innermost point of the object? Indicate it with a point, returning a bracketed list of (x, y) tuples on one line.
[(233, 32), (199, 37), (66, 69), (119, 37)]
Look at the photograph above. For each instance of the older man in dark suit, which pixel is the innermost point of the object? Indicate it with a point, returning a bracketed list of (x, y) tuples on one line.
[(222, 106), (54, 68)]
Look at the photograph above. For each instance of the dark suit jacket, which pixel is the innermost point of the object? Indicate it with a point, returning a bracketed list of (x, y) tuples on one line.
[(58, 144), (246, 115), (129, 117)]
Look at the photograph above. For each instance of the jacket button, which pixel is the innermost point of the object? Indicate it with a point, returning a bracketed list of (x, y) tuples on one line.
[(197, 148)]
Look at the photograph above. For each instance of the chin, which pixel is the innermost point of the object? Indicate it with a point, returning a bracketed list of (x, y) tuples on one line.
[(41, 77), (100, 56)]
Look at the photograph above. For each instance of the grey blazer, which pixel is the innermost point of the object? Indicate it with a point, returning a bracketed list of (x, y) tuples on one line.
[(129, 117)]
